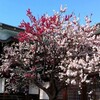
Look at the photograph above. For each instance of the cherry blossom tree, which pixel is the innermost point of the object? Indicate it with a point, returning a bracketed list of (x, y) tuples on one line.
[(55, 49)]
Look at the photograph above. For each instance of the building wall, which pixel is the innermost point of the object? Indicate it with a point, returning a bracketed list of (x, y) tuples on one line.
[(2, 83), (43, 95), (33, 89)]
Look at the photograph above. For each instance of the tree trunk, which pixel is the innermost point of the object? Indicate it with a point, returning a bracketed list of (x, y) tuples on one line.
[(53, 98), (52, 95), (84, 91), (53, 89)]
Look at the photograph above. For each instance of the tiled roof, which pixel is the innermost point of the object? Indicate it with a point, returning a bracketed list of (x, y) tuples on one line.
[(8, 31)]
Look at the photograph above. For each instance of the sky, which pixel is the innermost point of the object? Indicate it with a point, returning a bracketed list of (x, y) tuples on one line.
[(12, 12)]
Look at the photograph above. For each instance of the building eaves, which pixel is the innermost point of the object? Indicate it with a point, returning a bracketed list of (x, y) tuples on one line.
[(8, 32), (9, 27)]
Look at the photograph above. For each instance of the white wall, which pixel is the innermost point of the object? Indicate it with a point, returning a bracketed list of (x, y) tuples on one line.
[(33, 89), (2, 84), (43, 95)]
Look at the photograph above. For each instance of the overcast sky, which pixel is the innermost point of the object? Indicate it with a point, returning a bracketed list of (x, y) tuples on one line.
[(14, 11)]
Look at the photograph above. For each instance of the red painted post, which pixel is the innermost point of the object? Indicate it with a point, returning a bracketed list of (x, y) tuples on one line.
[(65, 94)]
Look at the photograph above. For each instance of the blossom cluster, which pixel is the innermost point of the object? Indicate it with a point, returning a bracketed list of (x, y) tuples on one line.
[(53, 47)]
